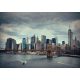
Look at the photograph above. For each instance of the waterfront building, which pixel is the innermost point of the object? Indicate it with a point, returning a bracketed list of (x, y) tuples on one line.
[(33, 42), (11, 44), (24, 44), (38, 45), (20, 47), (43, 42)]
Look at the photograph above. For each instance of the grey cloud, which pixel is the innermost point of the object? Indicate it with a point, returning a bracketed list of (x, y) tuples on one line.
[(77, 28), (38, 20), (55, 22), (58, 32), (11, 33), (27, 17)]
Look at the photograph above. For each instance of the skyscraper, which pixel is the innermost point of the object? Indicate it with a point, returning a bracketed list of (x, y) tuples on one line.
[(54, 40), (11, 44), (63, 42), (27, 43), (43, 42), (37, 39), (33, 42), (38, 45), (27, 40), (43, 39), (47, 41), (23, 44), (33, 39), (70, 37), (20, 47)]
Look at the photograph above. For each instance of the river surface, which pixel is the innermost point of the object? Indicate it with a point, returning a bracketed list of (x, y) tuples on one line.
[(37, 61)]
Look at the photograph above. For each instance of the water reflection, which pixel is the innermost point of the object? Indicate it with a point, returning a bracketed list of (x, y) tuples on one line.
[(12, 60)]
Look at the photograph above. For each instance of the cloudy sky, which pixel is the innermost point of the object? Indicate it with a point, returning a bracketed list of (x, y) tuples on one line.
[(52, 24)]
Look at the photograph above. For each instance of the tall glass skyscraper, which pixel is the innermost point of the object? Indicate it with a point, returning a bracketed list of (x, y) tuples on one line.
[(70, 37), (54, 40), (33, 42), (24, 44)]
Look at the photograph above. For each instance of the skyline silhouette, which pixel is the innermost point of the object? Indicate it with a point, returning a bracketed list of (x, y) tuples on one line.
[(18, 25)]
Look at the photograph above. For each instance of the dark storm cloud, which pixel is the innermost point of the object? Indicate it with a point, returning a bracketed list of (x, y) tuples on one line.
[(70, 16), (38, 17), (37, 20), (12, 18), (6, 18)]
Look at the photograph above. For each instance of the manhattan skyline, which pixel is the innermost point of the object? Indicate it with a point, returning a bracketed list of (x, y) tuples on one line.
[(20, 25)]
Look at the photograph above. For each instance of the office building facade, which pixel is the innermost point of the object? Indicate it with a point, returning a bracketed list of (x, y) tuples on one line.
[(54, 41), (11, 44), (33, 42), (24, 44), (43, 42)]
